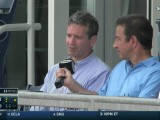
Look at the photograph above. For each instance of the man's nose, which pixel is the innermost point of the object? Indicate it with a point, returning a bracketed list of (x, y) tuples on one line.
[(115, 45), (72, 40)]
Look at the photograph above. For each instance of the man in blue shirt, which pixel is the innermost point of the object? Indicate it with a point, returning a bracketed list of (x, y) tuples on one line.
[(90, 71), (138, 75)]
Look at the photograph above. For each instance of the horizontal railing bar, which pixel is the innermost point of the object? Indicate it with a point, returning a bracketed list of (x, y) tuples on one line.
[(19, 27)]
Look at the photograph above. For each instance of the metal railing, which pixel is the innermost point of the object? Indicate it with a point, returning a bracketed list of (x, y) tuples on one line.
[(87, 102)]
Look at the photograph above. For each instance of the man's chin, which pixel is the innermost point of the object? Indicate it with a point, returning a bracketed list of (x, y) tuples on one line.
[(121, 57), (71, 54)]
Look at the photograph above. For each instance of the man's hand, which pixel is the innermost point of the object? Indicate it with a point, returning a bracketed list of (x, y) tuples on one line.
[(63, 72), (71, 84)]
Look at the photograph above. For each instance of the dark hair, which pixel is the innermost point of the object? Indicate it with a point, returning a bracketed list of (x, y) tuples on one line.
[(86, 19), (138, 26)]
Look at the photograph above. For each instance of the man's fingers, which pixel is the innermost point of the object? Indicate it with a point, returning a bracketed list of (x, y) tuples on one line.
[(60, 72)]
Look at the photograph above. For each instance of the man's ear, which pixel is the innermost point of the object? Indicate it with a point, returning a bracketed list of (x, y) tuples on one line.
[(93, 40), (134, 41)]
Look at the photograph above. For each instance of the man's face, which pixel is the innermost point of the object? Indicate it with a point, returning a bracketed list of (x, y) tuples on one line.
[(77, 41), (122, 46)]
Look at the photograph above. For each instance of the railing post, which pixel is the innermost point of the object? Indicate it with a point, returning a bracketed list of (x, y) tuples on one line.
[(31, 43)]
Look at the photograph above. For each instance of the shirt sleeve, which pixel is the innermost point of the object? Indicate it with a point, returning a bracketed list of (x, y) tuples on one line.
[(49, 79), (103, 89), (152, 86), (98, 81)]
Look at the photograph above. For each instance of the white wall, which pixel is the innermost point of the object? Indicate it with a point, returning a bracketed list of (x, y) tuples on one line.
[(58, 14)]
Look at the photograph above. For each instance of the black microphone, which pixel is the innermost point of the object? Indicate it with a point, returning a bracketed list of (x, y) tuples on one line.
[(69, 64)]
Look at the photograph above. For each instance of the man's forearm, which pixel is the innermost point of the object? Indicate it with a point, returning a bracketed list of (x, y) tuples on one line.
[(77, 88)]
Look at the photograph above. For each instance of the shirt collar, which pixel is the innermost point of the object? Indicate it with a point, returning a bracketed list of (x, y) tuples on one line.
[(86, 60), (148, 62)]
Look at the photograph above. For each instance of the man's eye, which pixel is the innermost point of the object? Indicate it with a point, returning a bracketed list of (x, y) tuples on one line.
[(77, 37), (68, 36)]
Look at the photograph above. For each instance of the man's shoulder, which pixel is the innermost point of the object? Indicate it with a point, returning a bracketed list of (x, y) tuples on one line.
[(154, 64), (53, 68), (99, 63), (121, 63)]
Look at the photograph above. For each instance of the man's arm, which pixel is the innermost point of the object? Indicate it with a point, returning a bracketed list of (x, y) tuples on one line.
[(152, 87), (71, 84)]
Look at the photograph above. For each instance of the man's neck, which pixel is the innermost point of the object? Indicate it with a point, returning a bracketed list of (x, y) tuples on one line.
[(75, 59), (140, 57)]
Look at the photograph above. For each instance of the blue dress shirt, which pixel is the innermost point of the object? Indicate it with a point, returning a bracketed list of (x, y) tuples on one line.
[(90, 72), (142, 80)]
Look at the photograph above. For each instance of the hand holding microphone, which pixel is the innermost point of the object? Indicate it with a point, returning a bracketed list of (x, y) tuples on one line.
[(69, 64)]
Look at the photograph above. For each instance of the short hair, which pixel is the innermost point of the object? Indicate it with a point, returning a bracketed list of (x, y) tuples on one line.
[(86, 19), (138, 26)]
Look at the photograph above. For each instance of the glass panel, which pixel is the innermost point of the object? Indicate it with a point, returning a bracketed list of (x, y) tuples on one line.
[(41, 41), (138, 6), (16, 69), (75, 5), (16, 65)]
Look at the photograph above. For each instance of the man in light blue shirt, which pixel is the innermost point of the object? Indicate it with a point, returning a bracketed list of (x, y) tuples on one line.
[(138, 75), (90, 71), (142, 80)]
